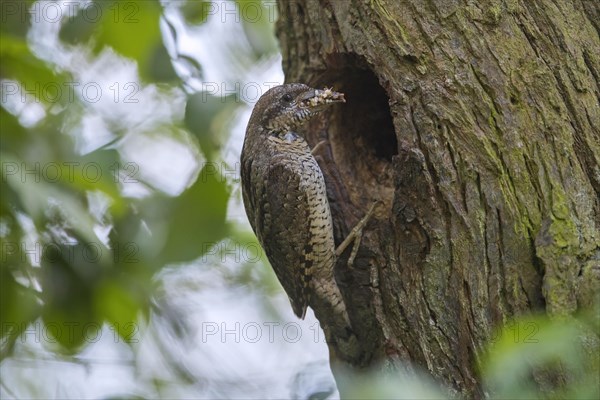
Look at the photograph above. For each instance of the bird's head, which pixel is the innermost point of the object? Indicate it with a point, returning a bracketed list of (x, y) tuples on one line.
[(288, 106)]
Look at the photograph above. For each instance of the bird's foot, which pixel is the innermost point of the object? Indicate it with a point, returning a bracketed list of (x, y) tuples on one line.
[(355, 236), (318, 146)]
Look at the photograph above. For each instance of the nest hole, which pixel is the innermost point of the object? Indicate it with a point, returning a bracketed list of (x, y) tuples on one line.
[(362, 136)]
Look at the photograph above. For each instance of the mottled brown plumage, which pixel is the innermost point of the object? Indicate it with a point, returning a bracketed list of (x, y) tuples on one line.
[(285, 196)]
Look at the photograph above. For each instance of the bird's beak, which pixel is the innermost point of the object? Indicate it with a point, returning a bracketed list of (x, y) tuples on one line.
[(316, 99)]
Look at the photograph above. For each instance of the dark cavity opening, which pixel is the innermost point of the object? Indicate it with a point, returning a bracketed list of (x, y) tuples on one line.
[(362, 137)]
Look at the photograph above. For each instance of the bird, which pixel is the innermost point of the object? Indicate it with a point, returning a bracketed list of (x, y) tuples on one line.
[(285, 196)]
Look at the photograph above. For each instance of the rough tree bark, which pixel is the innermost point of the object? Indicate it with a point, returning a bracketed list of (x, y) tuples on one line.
[(478, 127)]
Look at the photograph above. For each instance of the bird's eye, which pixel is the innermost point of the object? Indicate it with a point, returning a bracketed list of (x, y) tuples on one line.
[(287, 97)]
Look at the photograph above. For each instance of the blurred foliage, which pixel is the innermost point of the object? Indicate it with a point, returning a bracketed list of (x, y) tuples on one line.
[(65, 259), (79, 250), (389, 384), (530, 357), (202, 107), (542, 357), (196, 12), (256, 18)]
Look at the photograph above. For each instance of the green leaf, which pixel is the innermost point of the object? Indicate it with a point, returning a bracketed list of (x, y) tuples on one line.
[(132, 29), (69, 274), (258, 20), (196, 11), (18, 304), (35, 196), (533, 344), (198, 218), (16, 18), (80, 27), (96, 171), (13, 134), (161, 68), (120, 305), (207, 116), (41, 83)]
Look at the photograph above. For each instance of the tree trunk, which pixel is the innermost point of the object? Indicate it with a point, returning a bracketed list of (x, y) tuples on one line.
[(478, 128)]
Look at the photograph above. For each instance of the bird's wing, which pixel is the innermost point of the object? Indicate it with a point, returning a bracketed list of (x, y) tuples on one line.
[(285, 232), (249, 176)]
